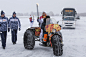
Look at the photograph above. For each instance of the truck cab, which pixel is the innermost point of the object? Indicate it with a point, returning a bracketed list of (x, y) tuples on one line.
[(68, 18)]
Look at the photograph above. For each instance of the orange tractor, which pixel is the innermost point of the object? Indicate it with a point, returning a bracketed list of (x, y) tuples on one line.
[(52, 39)]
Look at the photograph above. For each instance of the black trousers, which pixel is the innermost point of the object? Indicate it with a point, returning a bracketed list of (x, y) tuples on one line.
[(3, 38), (14, 35)]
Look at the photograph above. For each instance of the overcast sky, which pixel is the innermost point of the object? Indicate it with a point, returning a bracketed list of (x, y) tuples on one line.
[(24, 6)]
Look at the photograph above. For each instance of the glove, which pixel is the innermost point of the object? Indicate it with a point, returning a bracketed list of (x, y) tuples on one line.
[(8, 29), (0, 25), (37, 19), (19, 29), (31, 21)]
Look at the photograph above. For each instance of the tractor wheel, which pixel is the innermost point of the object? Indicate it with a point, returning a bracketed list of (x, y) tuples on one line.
[(57, 46), (29, 40)]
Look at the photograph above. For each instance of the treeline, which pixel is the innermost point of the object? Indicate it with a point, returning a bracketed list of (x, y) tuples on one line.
[(81, 14), (48, 13), (35, 13)]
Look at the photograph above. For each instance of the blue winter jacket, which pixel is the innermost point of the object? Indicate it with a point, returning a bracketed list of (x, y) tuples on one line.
[(3, 24), (14, 23)]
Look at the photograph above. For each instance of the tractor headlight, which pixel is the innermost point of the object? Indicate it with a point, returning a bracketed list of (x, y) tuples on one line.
[(54, 30)]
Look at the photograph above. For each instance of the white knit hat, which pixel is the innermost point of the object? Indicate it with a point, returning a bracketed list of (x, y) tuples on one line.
[(45, 11)]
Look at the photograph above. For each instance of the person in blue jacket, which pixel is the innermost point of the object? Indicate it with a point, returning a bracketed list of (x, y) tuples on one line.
[(14, 25), (3, 28)]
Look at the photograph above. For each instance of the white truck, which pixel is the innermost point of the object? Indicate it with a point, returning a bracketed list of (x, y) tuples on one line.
[(68, 18)]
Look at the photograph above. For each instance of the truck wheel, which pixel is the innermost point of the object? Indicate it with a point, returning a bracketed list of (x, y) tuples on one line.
[(57, 46), (29, 40)]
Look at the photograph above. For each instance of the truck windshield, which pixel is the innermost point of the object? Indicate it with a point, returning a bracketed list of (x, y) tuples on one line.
[(69, 18), (69, 13)]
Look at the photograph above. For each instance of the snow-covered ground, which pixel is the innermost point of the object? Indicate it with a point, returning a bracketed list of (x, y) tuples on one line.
[(74, 42)]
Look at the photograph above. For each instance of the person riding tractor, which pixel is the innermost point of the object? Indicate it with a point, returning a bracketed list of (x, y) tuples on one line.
[(52, 36), (44, 31)]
